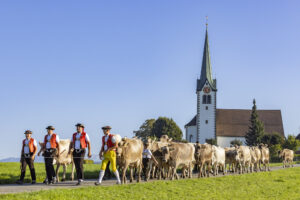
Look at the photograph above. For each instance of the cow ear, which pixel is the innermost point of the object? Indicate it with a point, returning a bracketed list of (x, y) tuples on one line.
[(170, 139)]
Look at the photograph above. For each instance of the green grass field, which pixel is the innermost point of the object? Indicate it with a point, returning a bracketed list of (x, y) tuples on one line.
[(10, 172), (279, 184)]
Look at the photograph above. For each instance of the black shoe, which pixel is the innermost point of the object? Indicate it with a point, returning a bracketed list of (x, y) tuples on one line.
[(78, 183), (33, 182), (97, 183), (19, 182)]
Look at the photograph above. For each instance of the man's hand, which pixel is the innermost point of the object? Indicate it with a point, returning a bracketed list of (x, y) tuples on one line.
[(32, 157), (39, 153), (89, 155), (101, 155)]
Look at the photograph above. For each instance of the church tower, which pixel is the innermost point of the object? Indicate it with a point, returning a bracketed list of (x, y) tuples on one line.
[(206, 99)]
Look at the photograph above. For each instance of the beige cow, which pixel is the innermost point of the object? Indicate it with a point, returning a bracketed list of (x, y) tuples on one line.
[(203, 156), (218, 159), (265, 156), (179, 155), (255, 158), (287, 156), (129, 154), (62, 158), (243, 158)]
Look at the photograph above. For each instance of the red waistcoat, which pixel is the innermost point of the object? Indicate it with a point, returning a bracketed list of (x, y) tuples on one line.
[(82, 140), (30, 144), (109, 142), (52, 141)]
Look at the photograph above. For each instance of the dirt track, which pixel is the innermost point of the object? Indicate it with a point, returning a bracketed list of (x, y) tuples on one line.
[(14, 188)]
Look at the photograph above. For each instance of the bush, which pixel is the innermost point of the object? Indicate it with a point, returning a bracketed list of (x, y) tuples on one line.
[(236, 142), (211, 141)]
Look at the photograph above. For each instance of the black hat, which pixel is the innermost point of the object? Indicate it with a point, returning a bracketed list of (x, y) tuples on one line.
[(28, 132), (50, 128), (80, 125), (106, 127)]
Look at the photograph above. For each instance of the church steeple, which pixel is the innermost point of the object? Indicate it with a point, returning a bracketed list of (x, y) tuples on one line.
[(206, 72)]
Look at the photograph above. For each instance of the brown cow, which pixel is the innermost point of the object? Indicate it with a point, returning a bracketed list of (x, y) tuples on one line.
[(230, 158), (265, 156), (129, 153), (179, 155), (203, 156), (287, 156)]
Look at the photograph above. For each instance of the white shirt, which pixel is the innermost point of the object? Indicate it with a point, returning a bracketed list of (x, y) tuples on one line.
[(113, 140), (26, 147), (147, 153), (77, 140), (48, 145)]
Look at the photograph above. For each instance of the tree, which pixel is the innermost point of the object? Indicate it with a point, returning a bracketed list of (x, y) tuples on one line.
[(256, 128), (272, 139), (291, 143), (145, 130), (236, 142), (166, 126)]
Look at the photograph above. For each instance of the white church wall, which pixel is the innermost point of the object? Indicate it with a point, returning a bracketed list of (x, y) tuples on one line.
[(225, 141), (191, 133)]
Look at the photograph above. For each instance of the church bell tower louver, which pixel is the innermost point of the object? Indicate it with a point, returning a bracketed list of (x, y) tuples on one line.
[(206, 98)]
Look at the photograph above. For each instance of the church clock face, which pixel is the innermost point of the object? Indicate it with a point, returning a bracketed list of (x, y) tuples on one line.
[(206, 90)]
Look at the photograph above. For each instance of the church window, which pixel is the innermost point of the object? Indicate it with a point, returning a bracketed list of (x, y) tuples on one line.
[(204, 99), (206, 121), (206, 107), (208, 99)]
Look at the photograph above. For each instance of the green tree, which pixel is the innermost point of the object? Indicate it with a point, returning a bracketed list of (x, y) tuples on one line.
[(145, 130), (166, 126), (236, 142), (256, 128), (272, 139), (291, 143)]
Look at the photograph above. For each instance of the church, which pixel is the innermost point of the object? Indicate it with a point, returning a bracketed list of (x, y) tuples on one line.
[(224, 125)]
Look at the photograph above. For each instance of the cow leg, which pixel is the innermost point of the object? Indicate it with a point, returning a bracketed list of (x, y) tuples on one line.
[(57, 172), (124, 174), (139, 172), (73, 169), (64, 172), (131, 174)]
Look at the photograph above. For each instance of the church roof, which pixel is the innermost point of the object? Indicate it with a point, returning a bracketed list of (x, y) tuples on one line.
[(206, 72), (235, 122)]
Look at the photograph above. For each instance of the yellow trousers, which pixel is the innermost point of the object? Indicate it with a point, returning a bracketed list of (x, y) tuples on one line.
[(109, 156)]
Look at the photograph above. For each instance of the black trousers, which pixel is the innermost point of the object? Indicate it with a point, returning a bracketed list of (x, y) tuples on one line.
[(48, 156), (24, 162), (78, 158), (145, 165)]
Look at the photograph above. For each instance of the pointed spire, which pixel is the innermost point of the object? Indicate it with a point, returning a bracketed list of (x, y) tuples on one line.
[(206, 72)]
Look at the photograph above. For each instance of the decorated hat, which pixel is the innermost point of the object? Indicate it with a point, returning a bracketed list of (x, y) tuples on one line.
[(28, 132), (80, 125), (50, 128), (106, 127)]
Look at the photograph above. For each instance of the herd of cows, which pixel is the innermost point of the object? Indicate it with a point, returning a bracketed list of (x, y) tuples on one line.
[(171, 156)]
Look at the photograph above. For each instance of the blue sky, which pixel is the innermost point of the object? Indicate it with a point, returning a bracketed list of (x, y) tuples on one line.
[(121, 62)]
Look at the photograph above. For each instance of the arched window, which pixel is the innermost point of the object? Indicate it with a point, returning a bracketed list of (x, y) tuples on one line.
[(208, 99), (204, 99)]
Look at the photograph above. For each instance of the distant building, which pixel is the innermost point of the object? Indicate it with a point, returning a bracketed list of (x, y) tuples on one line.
[(224, 125)]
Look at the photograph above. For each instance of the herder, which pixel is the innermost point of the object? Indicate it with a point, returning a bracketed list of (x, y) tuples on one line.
[(29, 149), (79, 142)]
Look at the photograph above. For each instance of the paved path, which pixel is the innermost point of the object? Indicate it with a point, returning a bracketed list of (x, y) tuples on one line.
[(14, 188)]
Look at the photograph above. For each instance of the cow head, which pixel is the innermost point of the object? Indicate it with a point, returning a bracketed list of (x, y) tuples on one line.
[(166, 151), (197, 151)]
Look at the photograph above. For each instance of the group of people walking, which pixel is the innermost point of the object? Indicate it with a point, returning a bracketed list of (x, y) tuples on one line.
[(80, 141)]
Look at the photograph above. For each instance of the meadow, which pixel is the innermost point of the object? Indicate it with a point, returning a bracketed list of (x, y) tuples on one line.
[(279, 184)]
